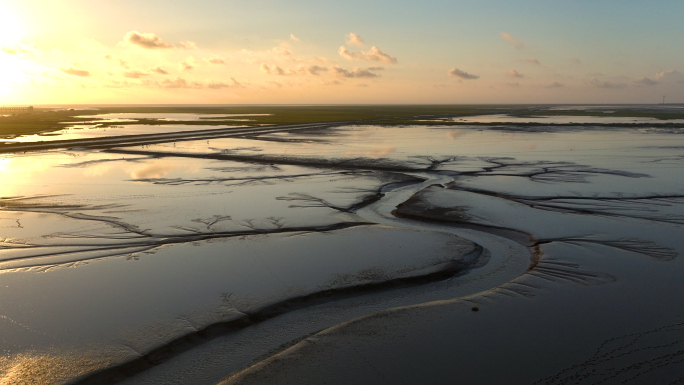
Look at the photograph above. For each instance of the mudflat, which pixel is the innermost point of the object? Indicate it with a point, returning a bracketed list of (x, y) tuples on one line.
[(476, 244)]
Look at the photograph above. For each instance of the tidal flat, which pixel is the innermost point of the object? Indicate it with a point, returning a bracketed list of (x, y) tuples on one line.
[(387, 244)]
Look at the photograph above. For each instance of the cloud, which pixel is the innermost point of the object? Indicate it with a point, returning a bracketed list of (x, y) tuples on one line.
[(455, 72), (187, 45), (219, 85), (121, 62), (313, 70), (670, 76), (153, 171), (644, 81), (595, 82), (146, 40), (509, 38), (515, 74), (160, 71), (294, 38), (575, 60), (283, 50), (19, 48), (514, 85), (188, 64), (215, 60), (355, 73), (272, 69), (373, 54), (555, 85), (278, 53), (532, 61), (75, 72), (354, 39), (381, 152), (134, 74), (179, 82)]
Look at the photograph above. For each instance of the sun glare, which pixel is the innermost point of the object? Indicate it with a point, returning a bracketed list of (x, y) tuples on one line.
[(11, 74), (11, 28), (11, 32)]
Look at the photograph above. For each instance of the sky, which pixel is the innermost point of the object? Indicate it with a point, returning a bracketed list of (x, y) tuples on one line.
[(350, 52)]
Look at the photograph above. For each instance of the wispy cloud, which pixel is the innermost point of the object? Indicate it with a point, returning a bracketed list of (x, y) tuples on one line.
[(354, 39), (671, 76), (160, 71), (19, 48), (357, 72), (181, 83), (532, 61), (178, 82), (373, 54), (576, 61), (555, 85), (188, 64), (75, 72), (283, 50), (214, 60), (598, 83), (294, 38), (134, 74), (313, 69), (509, 38), (218, 85), (272, 69), (455, 72), (187, 45), (122, 63), (146, 40), (515, 74), (644, 81)]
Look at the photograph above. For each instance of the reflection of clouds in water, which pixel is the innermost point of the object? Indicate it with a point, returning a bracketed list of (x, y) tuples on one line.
[(372, 153), (380, 152), (530, 147), (97, 170), (153, 171), (23, 166), (16, 172), (455, 134)]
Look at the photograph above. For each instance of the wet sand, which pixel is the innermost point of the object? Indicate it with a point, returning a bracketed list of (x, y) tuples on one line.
[(354, 254)]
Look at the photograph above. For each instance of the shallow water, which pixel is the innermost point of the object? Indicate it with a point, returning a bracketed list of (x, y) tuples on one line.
[(129, 124), (560, 119), (107, 255), (93, 131)]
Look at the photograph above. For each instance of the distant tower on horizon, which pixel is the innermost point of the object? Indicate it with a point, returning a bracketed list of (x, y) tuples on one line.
[(663, 99)]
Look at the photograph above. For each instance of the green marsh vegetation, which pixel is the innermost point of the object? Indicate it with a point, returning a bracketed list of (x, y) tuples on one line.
[(46, 119)]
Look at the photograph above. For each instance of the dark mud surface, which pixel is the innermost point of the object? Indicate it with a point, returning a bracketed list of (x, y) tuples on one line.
[(188, 257)]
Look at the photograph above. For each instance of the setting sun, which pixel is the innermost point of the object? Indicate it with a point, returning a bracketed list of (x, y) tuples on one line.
[(343, 192)]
